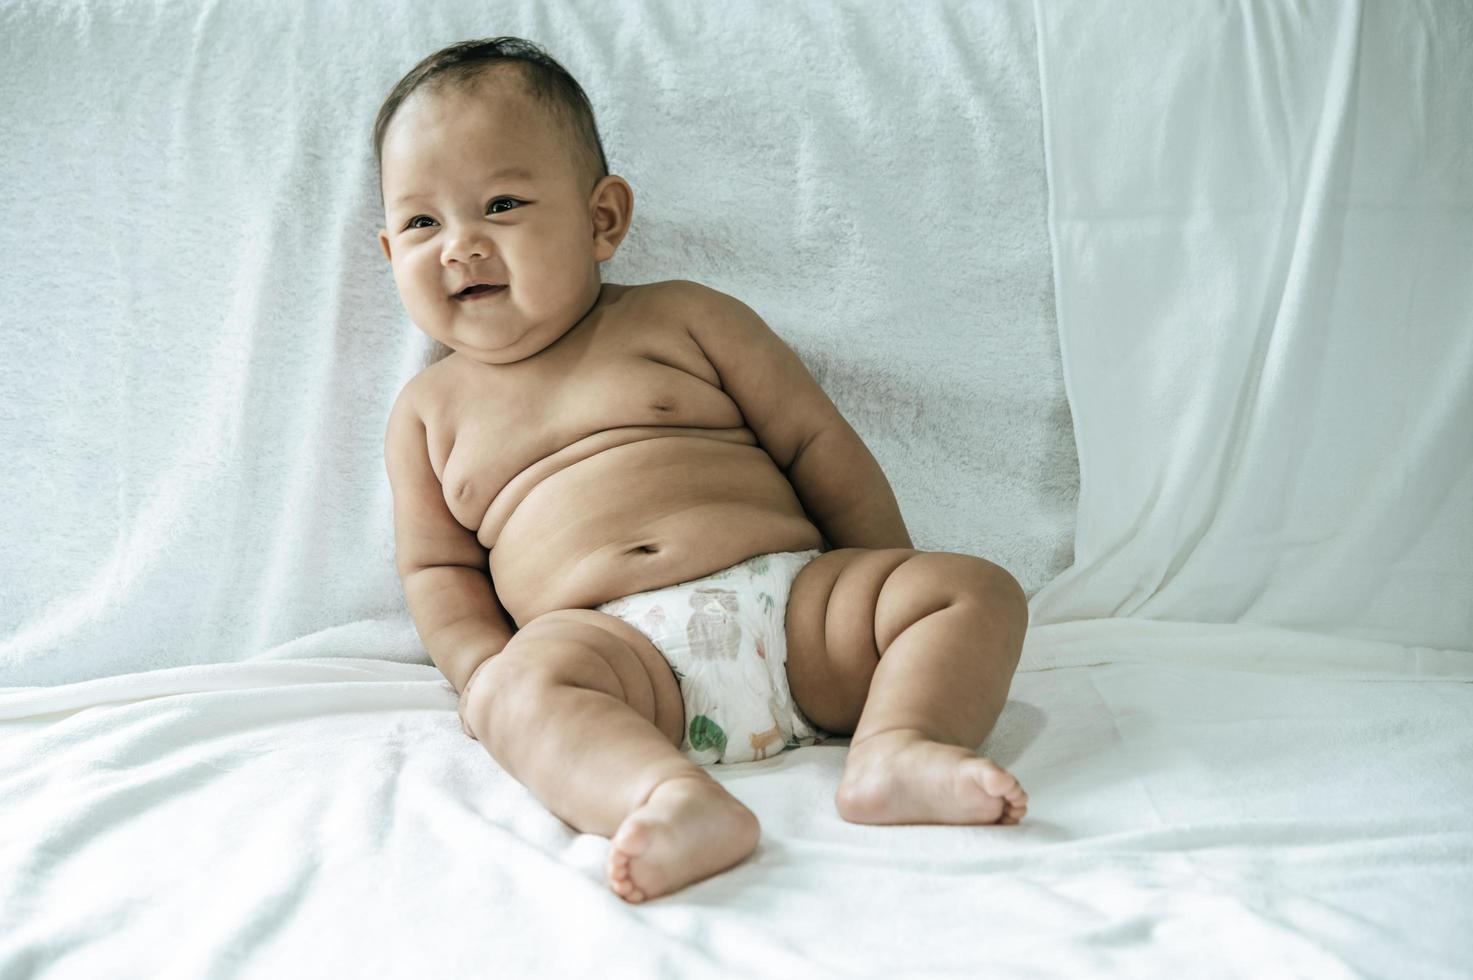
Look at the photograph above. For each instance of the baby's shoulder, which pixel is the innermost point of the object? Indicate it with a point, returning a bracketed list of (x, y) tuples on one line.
[(678, 299), (423, 392), (676, 289)]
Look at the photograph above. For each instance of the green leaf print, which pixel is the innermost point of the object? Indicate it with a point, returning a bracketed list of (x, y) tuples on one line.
[(766, 602), (759, 565), (706, 734)]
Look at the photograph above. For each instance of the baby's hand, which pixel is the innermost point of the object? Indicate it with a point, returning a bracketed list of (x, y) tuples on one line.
[(470, 682)]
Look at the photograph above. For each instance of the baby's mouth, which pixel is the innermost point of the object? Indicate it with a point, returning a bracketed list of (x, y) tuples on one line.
[(476, 292)]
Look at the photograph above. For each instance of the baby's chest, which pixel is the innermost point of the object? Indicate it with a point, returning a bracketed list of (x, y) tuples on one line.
[(530, 427)]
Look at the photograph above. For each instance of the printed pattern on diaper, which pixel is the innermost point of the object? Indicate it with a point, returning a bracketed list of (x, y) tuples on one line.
[(713, 629), (727, 650), (653, 622), (703, 734)]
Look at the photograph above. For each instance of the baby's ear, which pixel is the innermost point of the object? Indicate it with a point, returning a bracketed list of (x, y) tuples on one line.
[(613, 209), (383, 243)]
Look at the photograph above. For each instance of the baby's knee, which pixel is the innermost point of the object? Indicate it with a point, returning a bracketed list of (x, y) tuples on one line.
[(484, 698), (961, 577), (509, 690)]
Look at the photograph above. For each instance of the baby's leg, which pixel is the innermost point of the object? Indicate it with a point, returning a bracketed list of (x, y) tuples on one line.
[(912, 652), (951, 628), (581, 709)]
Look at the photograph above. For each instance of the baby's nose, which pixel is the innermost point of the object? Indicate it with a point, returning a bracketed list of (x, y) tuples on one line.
[(467, 246), (464, 255)]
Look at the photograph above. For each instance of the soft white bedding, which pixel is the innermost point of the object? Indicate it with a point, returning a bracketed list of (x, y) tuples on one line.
[(223, 752), (1262, 216), (1234, 801)]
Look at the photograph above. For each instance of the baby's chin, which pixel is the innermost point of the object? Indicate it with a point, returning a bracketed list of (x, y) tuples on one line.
[(510, 353)]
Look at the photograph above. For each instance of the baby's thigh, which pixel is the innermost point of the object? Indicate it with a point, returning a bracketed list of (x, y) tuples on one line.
[(831, 632), (590, 649)]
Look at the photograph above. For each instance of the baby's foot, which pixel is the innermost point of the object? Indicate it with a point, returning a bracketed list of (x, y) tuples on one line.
[(689, 829), (903, 777)]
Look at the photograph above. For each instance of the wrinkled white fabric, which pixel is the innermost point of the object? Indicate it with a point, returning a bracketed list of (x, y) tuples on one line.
[(1240, 801), (1262, 216)]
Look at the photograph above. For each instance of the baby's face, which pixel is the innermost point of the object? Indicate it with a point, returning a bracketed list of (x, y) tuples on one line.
[(484, 188)]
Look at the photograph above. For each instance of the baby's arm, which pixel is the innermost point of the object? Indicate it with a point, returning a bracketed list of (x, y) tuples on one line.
[(838, 480), (440, 563)]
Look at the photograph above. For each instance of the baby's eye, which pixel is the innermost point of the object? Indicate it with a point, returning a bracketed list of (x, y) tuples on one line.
[(502, 200)]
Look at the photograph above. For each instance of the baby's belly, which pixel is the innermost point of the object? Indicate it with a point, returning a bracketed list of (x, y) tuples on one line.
[(642, 516)]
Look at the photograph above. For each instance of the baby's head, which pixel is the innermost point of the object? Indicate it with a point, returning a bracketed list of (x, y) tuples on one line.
[(491, 170)]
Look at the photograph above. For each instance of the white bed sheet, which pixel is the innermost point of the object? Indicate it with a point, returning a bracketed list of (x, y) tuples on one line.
[(1211, 801)]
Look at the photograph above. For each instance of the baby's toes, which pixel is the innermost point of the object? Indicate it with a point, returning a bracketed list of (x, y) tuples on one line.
[(1015, 805), (1005, 786), (1000, 783), (617, 873)]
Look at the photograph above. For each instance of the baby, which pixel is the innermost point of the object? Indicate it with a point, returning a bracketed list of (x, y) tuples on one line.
[(632, 530)]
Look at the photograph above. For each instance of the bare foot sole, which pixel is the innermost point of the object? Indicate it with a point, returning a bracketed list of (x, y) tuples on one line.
[(903, 777), (689, 829)]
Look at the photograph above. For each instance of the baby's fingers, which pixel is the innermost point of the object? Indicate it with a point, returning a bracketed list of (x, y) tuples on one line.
[(460, 712)]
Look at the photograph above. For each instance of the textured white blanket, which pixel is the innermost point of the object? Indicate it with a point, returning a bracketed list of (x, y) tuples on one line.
[(203, 338)]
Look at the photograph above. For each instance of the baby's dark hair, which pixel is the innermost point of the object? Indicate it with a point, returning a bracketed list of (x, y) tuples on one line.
[(548, 82)]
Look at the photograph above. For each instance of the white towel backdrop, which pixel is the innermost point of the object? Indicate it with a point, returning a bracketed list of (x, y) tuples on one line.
[(203, 338), (1262, 217)]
